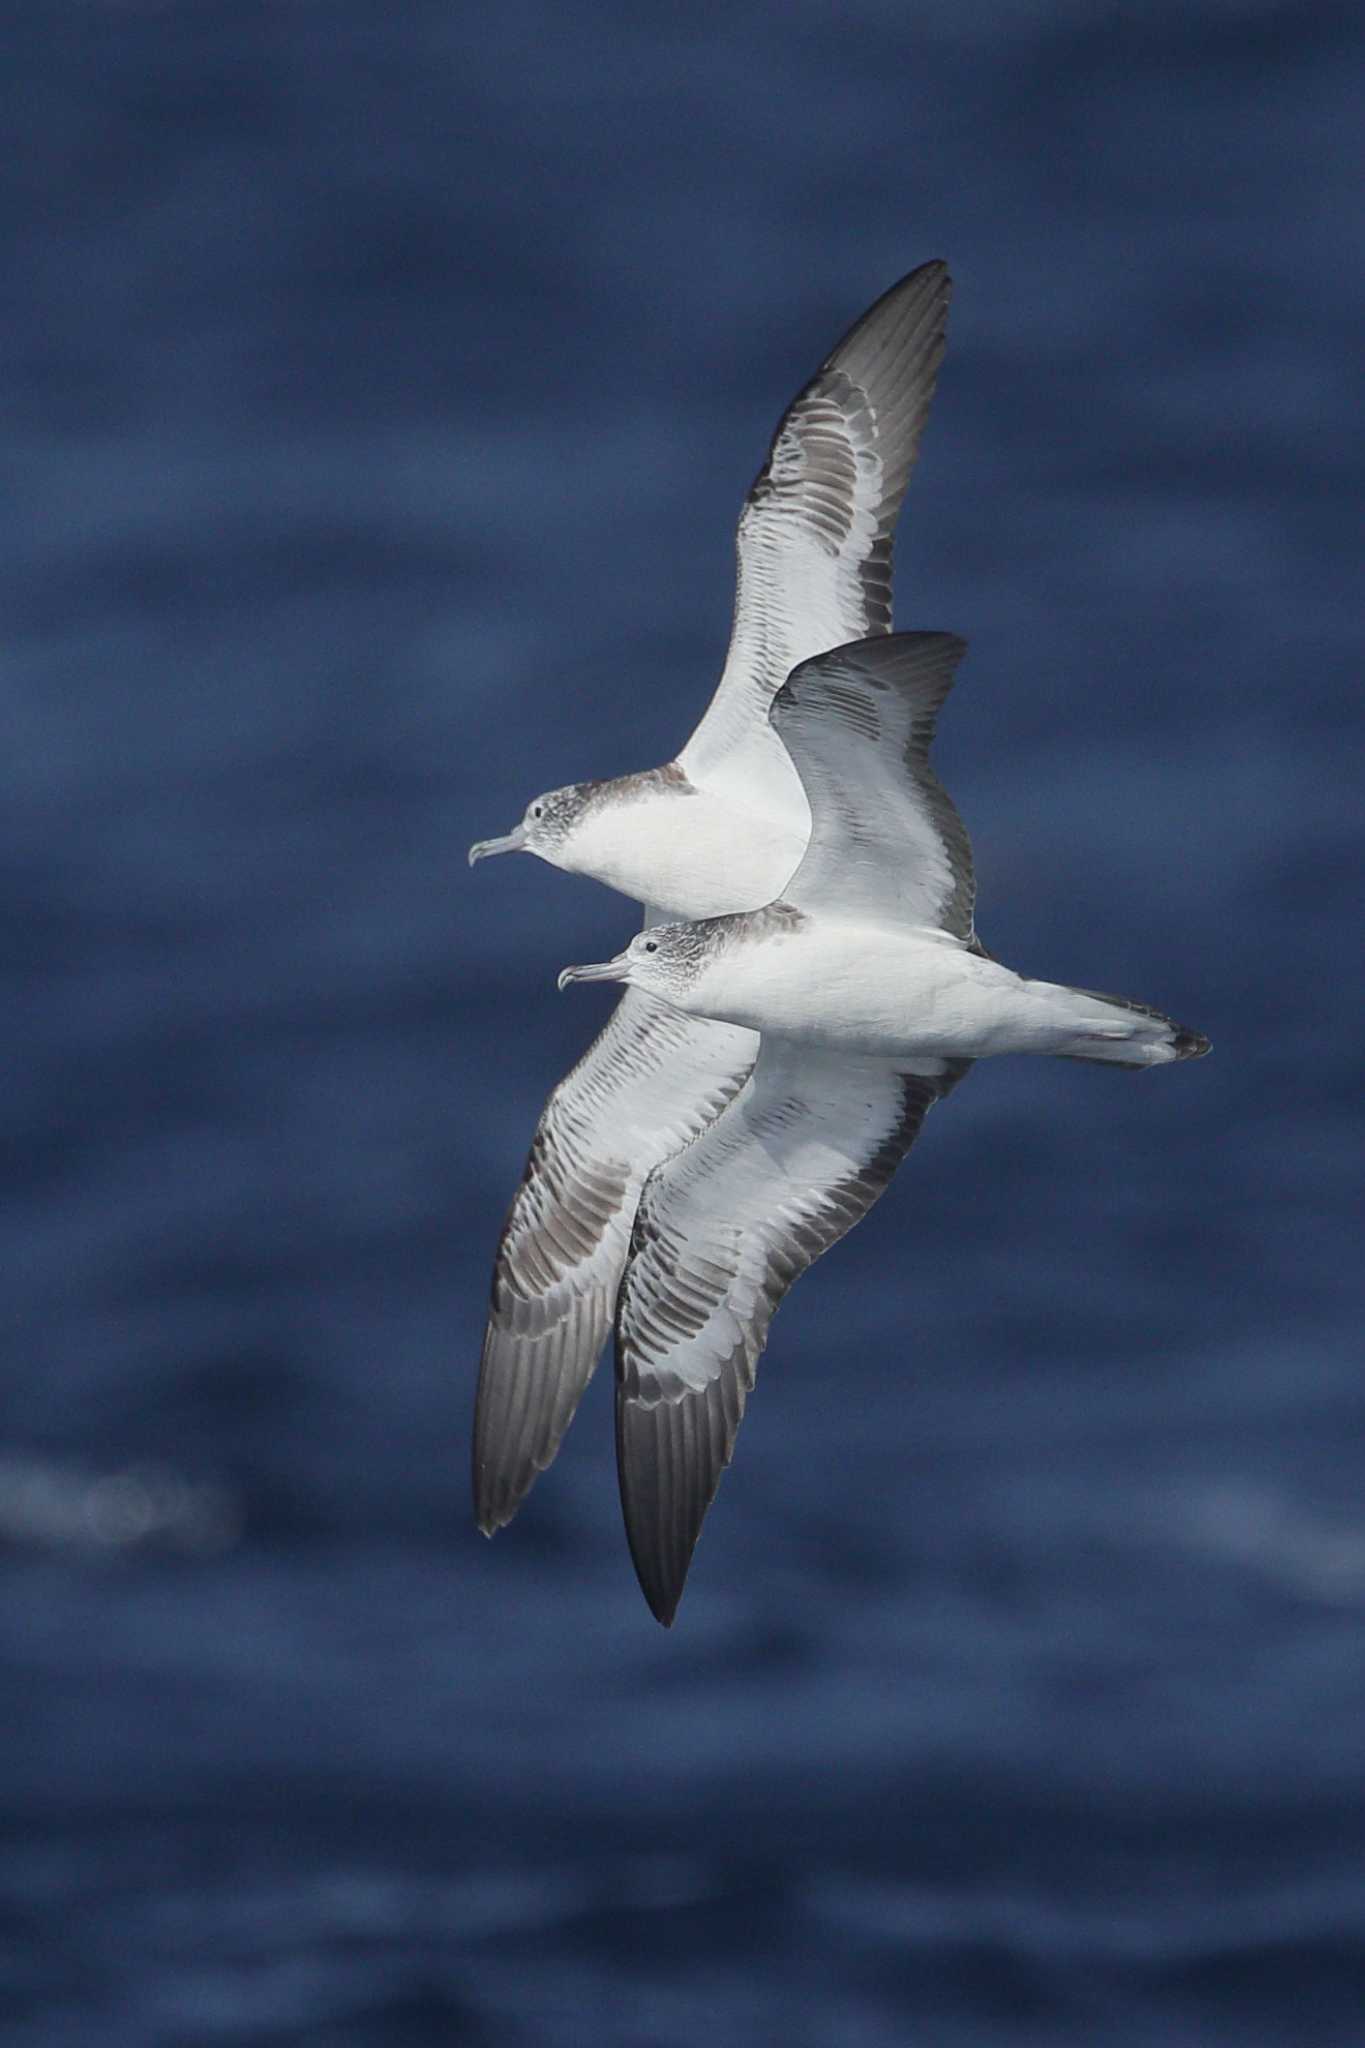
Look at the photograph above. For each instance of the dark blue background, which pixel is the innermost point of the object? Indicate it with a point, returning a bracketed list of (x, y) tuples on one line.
[(380, 387)]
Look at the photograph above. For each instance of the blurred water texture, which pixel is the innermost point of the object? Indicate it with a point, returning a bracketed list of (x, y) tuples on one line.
[(381, 388)]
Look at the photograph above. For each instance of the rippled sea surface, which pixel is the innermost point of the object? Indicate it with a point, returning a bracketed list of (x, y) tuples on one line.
[(380, 388)]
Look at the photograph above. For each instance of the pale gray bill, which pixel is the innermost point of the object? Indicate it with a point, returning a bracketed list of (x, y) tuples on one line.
[(597, 970), (511, 842)]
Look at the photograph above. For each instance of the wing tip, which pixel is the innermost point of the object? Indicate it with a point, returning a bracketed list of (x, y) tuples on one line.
[(930, 281), (497, 1497), (933, 271), (530, 1385), (663, 1609), (663, 1590), (662, 1523), (497, 1491)]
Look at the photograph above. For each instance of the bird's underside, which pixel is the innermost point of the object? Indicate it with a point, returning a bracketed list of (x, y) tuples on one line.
[(814, 569)]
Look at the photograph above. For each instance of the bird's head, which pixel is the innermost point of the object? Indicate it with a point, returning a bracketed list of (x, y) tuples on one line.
[(547, 826)]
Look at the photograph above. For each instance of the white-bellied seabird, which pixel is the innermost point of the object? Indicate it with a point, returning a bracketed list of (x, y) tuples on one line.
[(873, 997), (720, 828)]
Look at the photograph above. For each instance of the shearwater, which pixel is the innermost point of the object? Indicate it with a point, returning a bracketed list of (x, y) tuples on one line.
[(873, 996), (720, 828)]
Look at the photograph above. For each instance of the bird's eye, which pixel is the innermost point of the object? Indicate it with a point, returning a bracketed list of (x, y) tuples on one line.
[(537, 810), (651, 945)]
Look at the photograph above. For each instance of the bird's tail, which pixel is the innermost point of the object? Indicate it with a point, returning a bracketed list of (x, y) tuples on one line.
[(1115, 1031)]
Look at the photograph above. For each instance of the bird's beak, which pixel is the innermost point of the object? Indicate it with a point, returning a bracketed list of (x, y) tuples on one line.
[(515, 842), (601, 970)]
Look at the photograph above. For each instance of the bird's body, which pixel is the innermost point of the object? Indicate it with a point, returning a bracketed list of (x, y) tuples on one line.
[(862, 988)]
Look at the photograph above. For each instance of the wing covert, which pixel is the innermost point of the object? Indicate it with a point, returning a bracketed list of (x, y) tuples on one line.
[(886, 840)]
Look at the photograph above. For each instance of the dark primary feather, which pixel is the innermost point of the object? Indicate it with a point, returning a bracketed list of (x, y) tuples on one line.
[(870, 396), (722, 1231), (891, 358), (816, 533), (647, 1084)]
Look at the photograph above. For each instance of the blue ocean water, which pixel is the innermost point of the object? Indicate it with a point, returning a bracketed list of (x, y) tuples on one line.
[(381, 386)]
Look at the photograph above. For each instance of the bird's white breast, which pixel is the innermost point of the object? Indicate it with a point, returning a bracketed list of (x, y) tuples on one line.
[(690, 853)]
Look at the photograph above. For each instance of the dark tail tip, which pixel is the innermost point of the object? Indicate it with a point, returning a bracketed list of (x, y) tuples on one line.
[(1189, 1045)]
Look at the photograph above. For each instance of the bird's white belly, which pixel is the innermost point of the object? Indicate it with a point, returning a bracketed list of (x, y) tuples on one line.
[(873, 991)]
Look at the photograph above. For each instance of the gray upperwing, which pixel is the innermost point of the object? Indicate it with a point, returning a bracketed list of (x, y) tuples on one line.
[(886, 840)]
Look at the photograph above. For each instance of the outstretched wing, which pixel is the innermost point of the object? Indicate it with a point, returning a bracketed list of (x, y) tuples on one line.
[(816, 532), (650, 1081), (886, 840), (722, 1231)]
